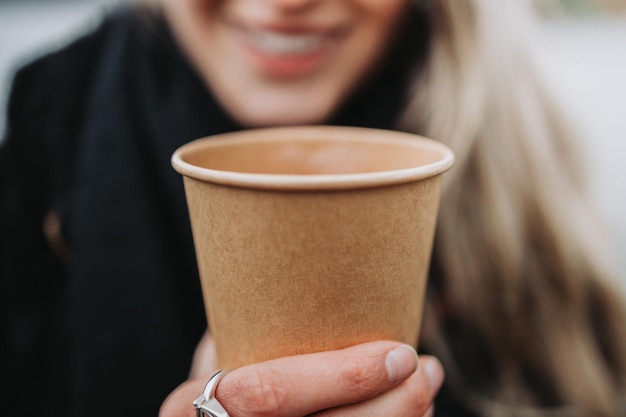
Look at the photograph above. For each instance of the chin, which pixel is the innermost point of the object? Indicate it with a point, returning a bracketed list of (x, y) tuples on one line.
[(280, 117)]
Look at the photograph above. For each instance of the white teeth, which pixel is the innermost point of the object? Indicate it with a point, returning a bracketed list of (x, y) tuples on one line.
[(285, 44)]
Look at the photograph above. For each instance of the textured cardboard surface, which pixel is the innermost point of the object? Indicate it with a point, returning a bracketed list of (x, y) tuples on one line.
[(286, 271)]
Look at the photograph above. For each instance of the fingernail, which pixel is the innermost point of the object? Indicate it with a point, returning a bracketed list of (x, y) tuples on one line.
[(434, 371), (401, 362)]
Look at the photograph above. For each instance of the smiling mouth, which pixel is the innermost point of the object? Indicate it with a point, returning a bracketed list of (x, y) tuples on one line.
[(286, 42), (288, 50)]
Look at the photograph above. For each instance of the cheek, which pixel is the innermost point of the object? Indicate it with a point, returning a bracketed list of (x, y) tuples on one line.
[(388, 10), (381, 20), (203, 11), (391, 13)]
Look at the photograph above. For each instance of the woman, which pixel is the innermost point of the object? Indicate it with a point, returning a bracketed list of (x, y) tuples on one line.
[(102, 304)]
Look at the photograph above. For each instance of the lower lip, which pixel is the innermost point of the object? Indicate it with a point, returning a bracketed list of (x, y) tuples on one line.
[(284, 66)]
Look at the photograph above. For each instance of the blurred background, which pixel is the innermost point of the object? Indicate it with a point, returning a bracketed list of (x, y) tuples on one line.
[(582, 44)]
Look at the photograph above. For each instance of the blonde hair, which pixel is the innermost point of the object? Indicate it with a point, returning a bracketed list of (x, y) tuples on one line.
[(523, 315)]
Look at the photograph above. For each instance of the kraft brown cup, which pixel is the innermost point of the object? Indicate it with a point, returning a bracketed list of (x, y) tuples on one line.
[(311, 238)]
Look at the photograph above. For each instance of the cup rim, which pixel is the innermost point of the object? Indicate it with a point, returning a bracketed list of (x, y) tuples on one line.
[(315, 181)]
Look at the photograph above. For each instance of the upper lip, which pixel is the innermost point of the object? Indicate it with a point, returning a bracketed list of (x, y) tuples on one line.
[(288, 28)]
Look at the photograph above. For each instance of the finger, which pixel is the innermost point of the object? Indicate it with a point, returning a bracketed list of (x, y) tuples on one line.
[(180, 402), (301, 385), (413, 397), (204, 357)]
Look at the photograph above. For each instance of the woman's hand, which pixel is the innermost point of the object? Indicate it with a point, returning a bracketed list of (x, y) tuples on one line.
[(371, 379)]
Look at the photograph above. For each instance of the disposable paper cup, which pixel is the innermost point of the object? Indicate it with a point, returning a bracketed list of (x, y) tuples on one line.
[(311, 238)]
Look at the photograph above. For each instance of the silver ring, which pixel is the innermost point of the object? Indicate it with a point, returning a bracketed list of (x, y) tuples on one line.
[(207, 405)]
